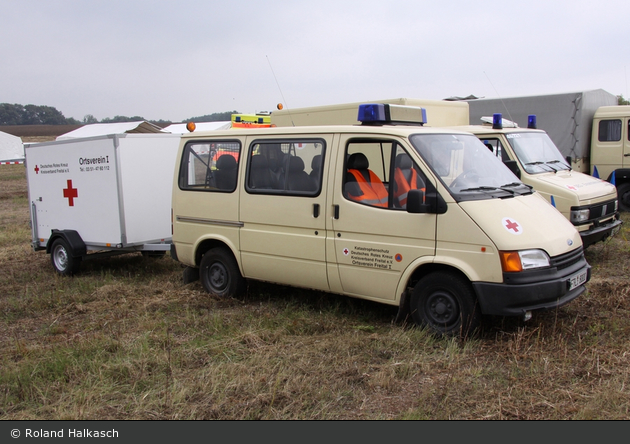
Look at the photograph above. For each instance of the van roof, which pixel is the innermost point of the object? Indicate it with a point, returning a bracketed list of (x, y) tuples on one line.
[(487, 129), (394, 130)]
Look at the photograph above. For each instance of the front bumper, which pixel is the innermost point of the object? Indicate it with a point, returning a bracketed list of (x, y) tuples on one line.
[(536, 289), (600, 232)]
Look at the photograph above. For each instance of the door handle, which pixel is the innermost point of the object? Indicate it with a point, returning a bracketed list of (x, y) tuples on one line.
[(336, 211), (315, 211)]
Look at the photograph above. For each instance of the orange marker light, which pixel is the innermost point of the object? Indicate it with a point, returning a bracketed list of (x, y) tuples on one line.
[(510, 261), (280, 106), (190, 126)]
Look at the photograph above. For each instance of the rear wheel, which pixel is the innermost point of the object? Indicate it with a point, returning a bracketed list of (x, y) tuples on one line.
[(445, 303), (62, 259), (219, 273)]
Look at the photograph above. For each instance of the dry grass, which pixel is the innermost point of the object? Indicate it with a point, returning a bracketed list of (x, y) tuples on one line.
[(126, 339)]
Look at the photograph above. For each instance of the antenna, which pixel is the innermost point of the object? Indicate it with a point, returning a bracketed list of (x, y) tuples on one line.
[(282, 95), (500, 98)]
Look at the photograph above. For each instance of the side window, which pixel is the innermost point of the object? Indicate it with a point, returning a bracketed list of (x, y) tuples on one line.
[(380, 173), (287, 167), (210, 166), (609, 131), (496, 147)]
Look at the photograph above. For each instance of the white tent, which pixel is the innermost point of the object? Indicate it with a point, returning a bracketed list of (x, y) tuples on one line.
[(104, 129), (180, 128), (11, 149)]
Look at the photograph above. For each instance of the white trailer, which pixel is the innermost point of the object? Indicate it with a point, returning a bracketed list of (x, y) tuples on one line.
[(102, 195)]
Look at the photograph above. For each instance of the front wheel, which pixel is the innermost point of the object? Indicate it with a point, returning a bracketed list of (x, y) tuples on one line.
[(445, 303), (62, 259), (219, 273), (623, 193)]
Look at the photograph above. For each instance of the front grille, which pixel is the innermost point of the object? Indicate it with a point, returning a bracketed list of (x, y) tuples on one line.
[(566, 260), (603, 210)]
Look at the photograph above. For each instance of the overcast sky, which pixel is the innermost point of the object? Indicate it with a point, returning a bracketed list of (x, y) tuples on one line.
[(173, 60)]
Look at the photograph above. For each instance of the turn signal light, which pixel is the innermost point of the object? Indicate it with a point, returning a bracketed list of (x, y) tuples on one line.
[(511, 261)]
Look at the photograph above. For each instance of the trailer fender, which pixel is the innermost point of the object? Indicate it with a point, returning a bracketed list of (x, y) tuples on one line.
[(76, 244)]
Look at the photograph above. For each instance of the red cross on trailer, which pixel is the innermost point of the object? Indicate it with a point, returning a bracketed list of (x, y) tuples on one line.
[(512, 226), (70, 193), (36, 169)]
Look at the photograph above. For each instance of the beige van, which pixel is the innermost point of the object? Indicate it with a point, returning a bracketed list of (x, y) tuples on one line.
[(425, 219), (590, 203)]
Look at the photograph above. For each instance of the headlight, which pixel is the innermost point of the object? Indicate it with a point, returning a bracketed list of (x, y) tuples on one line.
[(579, 216), (512, 261)]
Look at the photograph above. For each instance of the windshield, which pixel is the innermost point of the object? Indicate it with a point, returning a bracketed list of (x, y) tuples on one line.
[(466, 167), (537, 153)]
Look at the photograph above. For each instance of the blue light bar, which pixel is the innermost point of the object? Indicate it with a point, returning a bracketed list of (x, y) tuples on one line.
[(497, 121), (386, 114), (372, 113), (531, 121)]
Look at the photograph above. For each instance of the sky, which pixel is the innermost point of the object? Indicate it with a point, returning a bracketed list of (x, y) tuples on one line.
[(165, 60)]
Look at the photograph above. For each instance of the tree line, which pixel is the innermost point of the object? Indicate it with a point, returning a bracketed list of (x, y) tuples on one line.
[(15, 114)]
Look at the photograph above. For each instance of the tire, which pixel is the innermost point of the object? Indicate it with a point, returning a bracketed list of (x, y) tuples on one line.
[(62, 259), (623, 193), (220, 275), (445, 303)]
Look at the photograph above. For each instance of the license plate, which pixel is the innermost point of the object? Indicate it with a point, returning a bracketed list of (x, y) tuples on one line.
[(577, 280)]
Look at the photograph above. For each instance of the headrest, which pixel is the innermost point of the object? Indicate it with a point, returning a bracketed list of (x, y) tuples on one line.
[(358, 161), (296, 164), (403, 161), (226, 162)]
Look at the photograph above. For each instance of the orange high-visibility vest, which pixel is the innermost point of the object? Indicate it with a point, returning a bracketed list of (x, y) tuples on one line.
[(403, 186), (374, 192)]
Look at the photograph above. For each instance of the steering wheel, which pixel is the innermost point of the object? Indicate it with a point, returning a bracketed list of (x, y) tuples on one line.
[(470, 175)]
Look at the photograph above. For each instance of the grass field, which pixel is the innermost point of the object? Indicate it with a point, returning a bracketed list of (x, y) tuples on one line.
[(126, 339)]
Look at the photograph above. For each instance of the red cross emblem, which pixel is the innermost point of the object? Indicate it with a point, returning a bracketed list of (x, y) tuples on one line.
[(70, 193), (512, 226), (36, 169), (346, 251), (571, 187)]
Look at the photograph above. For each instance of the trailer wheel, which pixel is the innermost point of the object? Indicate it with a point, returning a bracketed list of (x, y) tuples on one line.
[(64, 263), (445, 303), (219, 273), (623, 193)]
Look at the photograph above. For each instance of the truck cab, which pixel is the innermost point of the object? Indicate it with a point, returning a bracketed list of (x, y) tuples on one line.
[(588, 202), (425, 219), (610, 149)]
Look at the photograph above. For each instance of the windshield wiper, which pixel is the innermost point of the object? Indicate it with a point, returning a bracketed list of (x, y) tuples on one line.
[(561, 163), (485, 188), (516, 184), (544, 164)]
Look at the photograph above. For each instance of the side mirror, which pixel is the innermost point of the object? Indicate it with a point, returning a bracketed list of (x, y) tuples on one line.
[(420, 202), (513, 166)]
